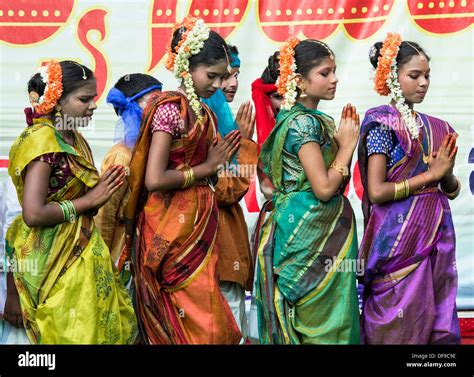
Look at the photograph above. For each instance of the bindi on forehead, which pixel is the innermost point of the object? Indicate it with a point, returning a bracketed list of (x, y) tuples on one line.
[(418, 61)]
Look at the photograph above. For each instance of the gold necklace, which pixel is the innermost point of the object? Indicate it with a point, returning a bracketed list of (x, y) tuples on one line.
[(426, 157)]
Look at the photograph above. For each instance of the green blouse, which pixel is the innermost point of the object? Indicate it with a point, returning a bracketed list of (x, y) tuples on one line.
[(302, 129)]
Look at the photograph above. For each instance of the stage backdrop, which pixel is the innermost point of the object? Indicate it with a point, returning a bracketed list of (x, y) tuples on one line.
[(124, 36)]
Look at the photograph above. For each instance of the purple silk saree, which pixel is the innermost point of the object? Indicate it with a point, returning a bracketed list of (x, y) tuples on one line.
[(408, 248)]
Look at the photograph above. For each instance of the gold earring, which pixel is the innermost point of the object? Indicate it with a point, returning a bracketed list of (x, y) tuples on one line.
[(58, 111), (303, 93)]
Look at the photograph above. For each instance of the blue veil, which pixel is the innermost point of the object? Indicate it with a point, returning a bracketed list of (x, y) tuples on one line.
[(130, 114)]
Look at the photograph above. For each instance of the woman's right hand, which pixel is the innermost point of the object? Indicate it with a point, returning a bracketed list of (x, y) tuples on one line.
[(347, 135), (442, 161), (12, 311), (245, 120), (110, 182), (222, 151)]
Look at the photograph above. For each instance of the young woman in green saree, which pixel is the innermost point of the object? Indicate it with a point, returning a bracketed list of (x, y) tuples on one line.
[(69, 290), (306, 294)]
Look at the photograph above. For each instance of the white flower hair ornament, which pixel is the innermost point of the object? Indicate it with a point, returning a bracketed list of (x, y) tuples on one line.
[(386, 80), (191, 43)]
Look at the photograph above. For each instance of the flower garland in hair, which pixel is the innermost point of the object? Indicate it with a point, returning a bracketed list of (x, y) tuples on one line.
[(286, 82), (386, 81), (191, 43), (52, 76), (388, 55)]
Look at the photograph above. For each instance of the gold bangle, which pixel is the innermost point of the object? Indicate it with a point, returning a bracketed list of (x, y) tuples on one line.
[(189, 176), (192, 176), (186, 178), (343, 170), (455, 193), (396, 195), (407, 188), (402, 190)]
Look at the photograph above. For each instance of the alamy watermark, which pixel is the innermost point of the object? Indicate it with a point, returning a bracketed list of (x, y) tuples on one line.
[(346, 265), (30, 266), (231, 170)]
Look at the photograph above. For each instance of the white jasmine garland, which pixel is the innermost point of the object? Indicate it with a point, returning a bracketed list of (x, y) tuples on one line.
[(396, 94), (289, 98), (44, 73), (291, 92), (191, 46)]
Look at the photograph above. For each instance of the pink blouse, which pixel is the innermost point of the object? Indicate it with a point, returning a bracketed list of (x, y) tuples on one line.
[(167, 118)]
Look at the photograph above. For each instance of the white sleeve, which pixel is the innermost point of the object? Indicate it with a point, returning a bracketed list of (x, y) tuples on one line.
[(12, 209)]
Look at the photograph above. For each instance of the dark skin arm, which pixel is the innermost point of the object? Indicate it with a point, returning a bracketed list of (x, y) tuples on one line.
[(325, 182), (159, 178), (38, 213), (440, 164)]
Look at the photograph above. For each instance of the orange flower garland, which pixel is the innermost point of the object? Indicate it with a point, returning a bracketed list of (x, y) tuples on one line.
[(388, 54), (286, 83), (287, 64), (188, 23), (53, 90)]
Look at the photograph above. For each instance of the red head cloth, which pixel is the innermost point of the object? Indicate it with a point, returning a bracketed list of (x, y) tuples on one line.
[(264, 114)]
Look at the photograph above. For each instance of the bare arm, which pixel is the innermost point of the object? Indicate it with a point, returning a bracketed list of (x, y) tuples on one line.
[(37, 212), (325, 182), (380, 191), (159, 178)]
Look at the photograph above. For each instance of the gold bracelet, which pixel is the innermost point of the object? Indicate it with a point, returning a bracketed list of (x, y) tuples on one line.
[(192, 176), (402, 190), (189, 176), (343, 170), (186, 178), (455, 193), (407, 189), (396, 195)]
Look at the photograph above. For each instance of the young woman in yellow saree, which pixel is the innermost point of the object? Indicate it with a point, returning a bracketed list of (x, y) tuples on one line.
[(172, 205), (69, 290)]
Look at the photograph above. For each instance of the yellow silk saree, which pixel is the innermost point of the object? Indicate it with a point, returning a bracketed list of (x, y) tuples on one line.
[(70, 291)]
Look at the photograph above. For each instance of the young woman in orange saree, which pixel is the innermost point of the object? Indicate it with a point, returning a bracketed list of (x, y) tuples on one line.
[(173, 204)]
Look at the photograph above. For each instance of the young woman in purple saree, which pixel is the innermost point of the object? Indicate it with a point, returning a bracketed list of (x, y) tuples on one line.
[(406, 160)]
